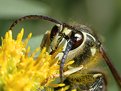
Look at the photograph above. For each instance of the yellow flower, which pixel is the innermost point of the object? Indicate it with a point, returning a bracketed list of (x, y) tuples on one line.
[(20, 71)]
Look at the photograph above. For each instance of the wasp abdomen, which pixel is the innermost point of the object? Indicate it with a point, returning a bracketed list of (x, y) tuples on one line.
[(94, 81)]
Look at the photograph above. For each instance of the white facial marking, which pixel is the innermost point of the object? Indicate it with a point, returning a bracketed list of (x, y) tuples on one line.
[(67, 31), (93, 51)]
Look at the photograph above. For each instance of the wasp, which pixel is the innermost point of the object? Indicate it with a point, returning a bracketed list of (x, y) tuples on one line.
[(80, 44)]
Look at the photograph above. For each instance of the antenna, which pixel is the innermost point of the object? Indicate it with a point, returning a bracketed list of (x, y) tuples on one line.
[(42, 17), (33, 17)]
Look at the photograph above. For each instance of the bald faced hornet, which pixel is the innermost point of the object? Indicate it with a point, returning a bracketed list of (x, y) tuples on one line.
[(80, 44)]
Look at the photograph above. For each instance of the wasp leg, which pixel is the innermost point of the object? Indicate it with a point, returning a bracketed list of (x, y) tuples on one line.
[(99, 84), (46, 41), (85, 82)]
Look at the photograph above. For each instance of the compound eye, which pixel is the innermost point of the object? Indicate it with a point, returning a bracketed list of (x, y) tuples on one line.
[(54, 31), (77, 39)]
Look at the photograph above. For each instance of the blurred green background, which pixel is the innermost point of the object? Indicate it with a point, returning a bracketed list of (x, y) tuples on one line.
[(104, 16)]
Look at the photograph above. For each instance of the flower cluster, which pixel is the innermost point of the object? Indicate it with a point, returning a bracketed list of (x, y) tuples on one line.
[(20, 70)]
